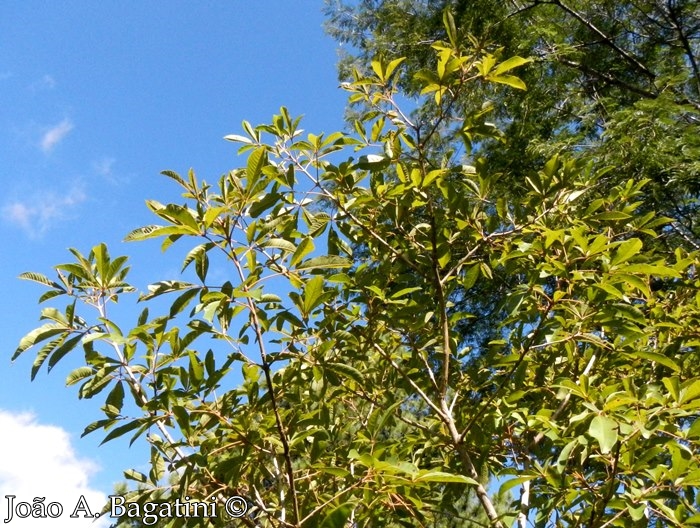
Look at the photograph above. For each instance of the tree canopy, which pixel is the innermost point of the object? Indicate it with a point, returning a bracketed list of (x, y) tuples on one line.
[(355, 265), (614, 82)]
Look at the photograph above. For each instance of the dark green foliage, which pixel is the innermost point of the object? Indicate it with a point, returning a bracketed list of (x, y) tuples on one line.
[(613, 82)]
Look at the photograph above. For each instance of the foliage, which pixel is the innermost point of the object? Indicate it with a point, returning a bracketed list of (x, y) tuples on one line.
[(615, 82), (361, 402)]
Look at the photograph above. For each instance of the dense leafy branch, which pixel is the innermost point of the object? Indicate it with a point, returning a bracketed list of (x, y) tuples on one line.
[(337, 377)]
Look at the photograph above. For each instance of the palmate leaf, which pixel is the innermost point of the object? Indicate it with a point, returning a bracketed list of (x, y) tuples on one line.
[(115, 398), (38, 335), (116, 270), (195, 254), (63, 349), (163, 287), (43, 354), (175, 176), (183, 300), (101, 379), (99, 424), (144, 233), (305, 247), (121, 430), (102, 262), (51, 294), (41, 279), (79, 374), (396, 368)]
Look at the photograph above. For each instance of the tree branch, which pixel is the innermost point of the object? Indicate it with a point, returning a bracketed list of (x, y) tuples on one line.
[(606, 39), (271, 389), (677, 25)]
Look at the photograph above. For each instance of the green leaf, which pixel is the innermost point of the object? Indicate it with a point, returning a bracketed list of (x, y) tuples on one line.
[(41, 279), (99, 424), (441, 476), (183, 419), (448, 22), (100, 380), (263, 204), (63, 349), (391, 67), (182, 218), (144, 233), (305, 247), (604, 430), (337, 517), (36, 336), (373, 162), (325, 262), (78, 375), (182, 301), (509, 64), (279, 243), (658, 358), (511, 483), (626, 250), (175, 176), (201, 265), (157, 466), (43, 354), (120, 431), (691, 391), (238, 139), (116, 396), (510, 80), (196, 368), (256, 161), (194, 254), (347, 371), (313, 294), (652, 270), (102, 262), (613, 216), (132, 474)]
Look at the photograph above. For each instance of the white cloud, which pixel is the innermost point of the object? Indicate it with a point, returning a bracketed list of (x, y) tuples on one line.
[(104, 167), (47, 82), (39, 460), (54, 135), (19, 213), (37, 216)]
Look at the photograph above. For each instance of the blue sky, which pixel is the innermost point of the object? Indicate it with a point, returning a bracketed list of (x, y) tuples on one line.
[(96, 99)]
